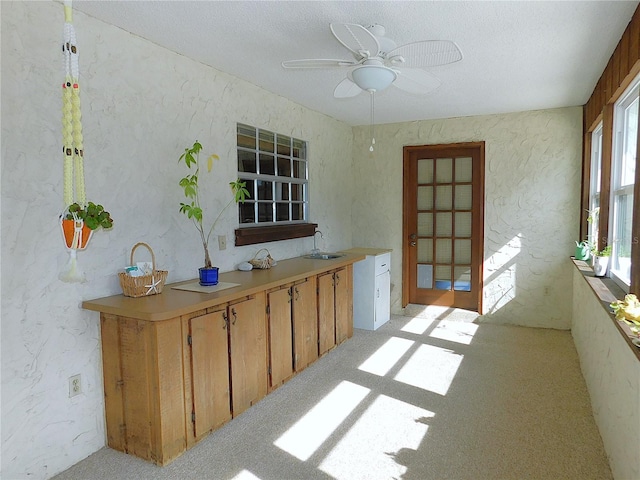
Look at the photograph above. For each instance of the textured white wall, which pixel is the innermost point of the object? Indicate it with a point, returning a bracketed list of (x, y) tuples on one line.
[(532, 188), (142, 105), (612, 374)]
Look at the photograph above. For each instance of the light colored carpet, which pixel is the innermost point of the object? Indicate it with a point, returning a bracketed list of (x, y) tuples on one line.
[(427, 396)]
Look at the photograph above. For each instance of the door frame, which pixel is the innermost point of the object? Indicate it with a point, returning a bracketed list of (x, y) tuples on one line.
[(409, 198)]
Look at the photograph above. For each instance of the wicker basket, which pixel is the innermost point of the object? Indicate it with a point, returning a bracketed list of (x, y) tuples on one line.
[(145, 285), (264, 262)]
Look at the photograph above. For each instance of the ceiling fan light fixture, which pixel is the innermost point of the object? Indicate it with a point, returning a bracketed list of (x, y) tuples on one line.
[(373, 78)]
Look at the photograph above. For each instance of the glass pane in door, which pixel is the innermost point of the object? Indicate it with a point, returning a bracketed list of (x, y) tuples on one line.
[(425, 250), (444, 170), (443, 277), (425, 170), (425, 224)]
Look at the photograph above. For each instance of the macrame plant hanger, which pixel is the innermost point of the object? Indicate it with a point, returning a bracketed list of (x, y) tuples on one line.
[(75, 233)]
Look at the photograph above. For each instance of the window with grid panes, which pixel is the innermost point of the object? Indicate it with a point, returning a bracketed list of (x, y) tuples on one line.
[(594, 187), (623, 179), (274, 167)]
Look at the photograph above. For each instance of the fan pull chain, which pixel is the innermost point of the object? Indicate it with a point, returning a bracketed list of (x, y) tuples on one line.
[(373, 140)]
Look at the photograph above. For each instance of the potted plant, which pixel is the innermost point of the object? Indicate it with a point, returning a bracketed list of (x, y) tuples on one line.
[(79, 222), (601, 261), (628, 311), (208, 274)]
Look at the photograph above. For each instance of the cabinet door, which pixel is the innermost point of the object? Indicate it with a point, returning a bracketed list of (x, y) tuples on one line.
[(248, 343), (326, 313), (210, 372), (305, 324), (382, 308), (280, 336), (344, 304)]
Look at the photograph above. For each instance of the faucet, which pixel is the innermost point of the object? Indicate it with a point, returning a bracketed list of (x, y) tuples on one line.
[(315, 248)]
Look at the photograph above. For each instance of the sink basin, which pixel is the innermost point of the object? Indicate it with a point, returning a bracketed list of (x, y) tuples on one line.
[(324, 256)]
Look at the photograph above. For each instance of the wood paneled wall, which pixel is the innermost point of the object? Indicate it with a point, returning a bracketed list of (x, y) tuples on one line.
[(623, 66)]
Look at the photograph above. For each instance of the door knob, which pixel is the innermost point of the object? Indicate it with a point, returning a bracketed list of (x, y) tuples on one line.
[(413, 236), (413, 244)]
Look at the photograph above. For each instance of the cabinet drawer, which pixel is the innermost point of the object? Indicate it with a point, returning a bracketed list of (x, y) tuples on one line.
[(383, 263)]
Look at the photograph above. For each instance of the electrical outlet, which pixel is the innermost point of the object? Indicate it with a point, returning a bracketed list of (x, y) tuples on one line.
[(75, 385), (222, 242)]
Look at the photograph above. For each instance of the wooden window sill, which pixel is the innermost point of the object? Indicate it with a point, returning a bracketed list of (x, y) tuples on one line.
[(607, 291), (274, 233)]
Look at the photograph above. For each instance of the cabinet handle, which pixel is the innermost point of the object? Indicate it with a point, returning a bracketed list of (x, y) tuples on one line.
[(226, 320), (235, 317), (289, 292), (297, 294), (337, 279)]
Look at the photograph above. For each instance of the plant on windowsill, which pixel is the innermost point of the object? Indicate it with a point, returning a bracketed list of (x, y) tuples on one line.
[(208, 274), (628, 311), (601, 261)]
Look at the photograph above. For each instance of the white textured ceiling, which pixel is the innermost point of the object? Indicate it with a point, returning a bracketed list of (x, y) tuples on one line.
[(518, 55)]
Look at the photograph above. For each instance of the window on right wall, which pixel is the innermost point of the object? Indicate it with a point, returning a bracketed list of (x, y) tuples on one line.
[(594, 185), (625, 143)]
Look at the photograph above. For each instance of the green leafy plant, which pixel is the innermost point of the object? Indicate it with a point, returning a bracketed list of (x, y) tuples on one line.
[(191, 187), (605, 252), (628, 311), (94, 216)]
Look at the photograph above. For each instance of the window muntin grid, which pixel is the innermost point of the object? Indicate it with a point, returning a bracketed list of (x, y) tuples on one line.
[(275, 169)]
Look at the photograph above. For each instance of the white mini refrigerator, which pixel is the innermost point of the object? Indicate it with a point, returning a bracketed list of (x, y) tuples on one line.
[(371, 288)]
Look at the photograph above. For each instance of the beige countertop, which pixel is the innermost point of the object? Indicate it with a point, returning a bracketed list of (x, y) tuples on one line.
[(172, 303), (367, 251)]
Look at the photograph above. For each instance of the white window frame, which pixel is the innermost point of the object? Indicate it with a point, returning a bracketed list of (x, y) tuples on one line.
[(595, 185), (619, 265), (276, 180)]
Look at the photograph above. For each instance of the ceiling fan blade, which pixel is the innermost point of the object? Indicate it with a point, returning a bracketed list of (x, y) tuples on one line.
[(417, 81), (346, 89), (356, 38), (427, 53), (318, 63)]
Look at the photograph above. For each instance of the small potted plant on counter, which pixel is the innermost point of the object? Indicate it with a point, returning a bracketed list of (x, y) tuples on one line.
[(601, 261), (208, 274)]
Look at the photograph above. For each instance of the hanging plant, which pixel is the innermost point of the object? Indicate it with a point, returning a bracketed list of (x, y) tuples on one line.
[(80, 219), (79, 223)]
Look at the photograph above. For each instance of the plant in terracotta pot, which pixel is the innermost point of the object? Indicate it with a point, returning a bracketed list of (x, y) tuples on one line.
[(193, 209), (79, 222)]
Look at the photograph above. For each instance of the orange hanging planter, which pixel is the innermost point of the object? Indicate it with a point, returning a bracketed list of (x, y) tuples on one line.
[(76, 234)]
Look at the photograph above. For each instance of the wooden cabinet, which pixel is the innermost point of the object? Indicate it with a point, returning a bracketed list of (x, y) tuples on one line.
[(305, 323), (144, 387), (280, 335), (335, 308), (326, 313), (293, 329), (209, 348), (248, 352), (343, 290), (178, 365)]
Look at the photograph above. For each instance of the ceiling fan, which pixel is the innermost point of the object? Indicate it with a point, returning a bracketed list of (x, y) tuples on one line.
[(378, 62)]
